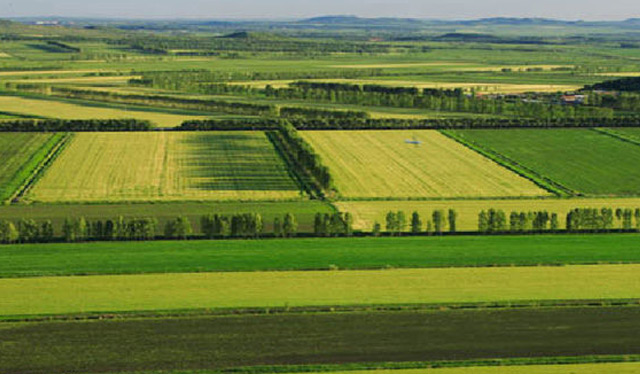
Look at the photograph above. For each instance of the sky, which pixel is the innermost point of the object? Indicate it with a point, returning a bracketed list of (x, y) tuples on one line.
[(277, 9)]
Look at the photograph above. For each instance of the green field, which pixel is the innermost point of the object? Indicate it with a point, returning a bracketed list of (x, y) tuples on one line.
[(607, 368), (378, 164), (313, 254), (61, 295), (100, 167), (366, 213), (583, 161), (67, 110), (227, 342), (21, 153)]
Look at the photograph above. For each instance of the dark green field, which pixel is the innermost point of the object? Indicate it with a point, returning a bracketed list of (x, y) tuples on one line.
[(580, 160), (210, 342), (308, 254)]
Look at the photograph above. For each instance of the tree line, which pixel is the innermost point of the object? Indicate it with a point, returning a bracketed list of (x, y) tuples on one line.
[(213, 226), (495, 221), (76, 125), (432, 99), (303, 157), (325, 123), (396, 223)]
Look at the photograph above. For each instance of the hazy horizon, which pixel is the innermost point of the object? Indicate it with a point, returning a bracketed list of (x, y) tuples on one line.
[(588, 10)]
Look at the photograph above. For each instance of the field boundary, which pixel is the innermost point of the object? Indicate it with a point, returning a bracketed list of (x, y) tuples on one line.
[(541, 181), (616, 135), (38, 172), (327, 309)]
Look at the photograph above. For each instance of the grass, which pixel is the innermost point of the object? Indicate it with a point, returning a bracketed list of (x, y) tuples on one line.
[(379, 164), (28, 260), (167, 166), (125, 293), (580, 160), (315, 340), (21, 153), (366, 213), (65, 110)]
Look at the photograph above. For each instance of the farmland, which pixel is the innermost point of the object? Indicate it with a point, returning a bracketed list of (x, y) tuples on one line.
[(67, 110), (20, 155), (293, 248), (166, 166), (381, 164), (313, 254), (49, 295), (218, 342), (567, 157), (366, 213)]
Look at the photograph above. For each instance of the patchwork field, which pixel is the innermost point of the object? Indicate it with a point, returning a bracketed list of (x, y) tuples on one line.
[(178, 345), (65, 110), (60, 259), (20, 154), (379, 164), (166, 166), (61, 295), (583, 161), (366, 213)]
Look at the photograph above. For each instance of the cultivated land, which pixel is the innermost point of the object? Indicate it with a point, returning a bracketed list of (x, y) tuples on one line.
[(68, 110), (583, 161), (366, 213), (313, 254), (20, 154), (380, 164), (221, 342), (167, 166), (62, 295)]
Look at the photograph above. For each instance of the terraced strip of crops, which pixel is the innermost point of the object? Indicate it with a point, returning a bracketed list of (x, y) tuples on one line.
[(314, 340), (384, 164), (20, 155), (62, 295), (582, 160), (167, 166), (67, 110), (366, 213)]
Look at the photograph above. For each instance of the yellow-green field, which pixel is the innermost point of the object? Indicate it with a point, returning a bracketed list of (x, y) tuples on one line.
[(278, 289), (366, 213), (81, 80), (166, 166), (607, 368), (63, 110), (378, 164)]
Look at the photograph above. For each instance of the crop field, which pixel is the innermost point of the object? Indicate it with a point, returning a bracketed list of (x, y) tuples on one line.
[(20, 154), (66, 110), (224, 342), (366, 213), (62, 259), (374, 164), (108, 293), (166, 166), (606, 368), (580, 160)]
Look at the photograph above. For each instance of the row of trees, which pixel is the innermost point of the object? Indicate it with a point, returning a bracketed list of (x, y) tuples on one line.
[(336, 224), (62, 125), (441, 221), (598, 220), (307, 162), (208, 82), (390, 123), (431, 99), (577, 220)]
